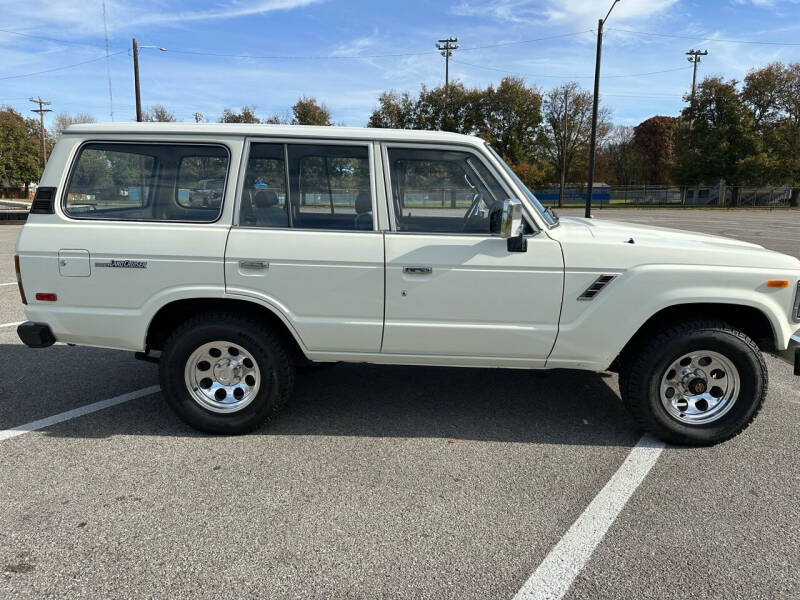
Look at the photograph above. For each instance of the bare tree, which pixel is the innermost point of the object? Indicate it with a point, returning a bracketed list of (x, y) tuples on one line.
[(158, 113), (623, 158), (64, 120), (572, 155)]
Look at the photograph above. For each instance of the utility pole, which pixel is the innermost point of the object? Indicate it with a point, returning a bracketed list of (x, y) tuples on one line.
[(38, 100), (136, 48), (446, 48), (693, 56), (198, 117), (564, 152), (595, 100), (136, 81)]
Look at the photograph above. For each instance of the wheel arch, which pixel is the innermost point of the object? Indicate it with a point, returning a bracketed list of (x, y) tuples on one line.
[(174, 313), (749, 319)]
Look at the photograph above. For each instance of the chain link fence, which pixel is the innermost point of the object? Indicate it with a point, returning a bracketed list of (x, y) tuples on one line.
[(711, 196)]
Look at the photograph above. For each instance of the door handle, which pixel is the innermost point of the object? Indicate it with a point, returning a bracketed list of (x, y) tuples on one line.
[(417, 270), (254, 264)]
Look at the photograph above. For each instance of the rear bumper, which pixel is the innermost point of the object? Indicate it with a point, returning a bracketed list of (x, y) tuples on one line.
[(792, 354), (36, 335)]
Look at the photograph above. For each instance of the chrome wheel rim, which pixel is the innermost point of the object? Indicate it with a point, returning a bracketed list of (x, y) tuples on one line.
[(222, 376), (699, 387)]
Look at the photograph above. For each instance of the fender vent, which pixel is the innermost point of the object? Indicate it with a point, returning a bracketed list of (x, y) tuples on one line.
[(596, 287), (44, 201)]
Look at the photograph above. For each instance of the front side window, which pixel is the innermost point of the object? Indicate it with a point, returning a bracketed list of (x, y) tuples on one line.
[(147, 182), (442, 191)]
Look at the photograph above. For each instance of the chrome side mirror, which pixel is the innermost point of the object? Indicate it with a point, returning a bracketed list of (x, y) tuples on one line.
[(511, 219), (506, 222)]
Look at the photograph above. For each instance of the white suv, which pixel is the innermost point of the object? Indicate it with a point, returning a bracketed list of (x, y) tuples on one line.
[(230, 254)]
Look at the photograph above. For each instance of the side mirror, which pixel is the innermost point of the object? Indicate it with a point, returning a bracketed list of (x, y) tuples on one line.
[(506, 222)]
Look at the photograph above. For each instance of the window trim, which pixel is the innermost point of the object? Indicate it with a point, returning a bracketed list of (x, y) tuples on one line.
[(77, 154), (465, 148), (285, 141)]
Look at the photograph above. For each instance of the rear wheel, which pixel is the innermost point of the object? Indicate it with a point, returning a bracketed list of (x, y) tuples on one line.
[(225, 374), (700, 383)]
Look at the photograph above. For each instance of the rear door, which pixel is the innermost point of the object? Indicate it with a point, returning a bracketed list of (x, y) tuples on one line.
[(305, 241), (452, 288)]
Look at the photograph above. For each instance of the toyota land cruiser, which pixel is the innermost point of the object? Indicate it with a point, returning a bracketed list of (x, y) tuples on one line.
[(231, 254)]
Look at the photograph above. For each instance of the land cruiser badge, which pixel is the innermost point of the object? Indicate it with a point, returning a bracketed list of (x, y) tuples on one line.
[(123, 264)]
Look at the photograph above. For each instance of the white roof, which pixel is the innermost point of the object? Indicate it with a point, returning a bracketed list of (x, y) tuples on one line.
[(248, 129)]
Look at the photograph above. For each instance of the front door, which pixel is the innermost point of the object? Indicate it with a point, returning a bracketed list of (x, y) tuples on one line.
[(306, 243), (452, 288)]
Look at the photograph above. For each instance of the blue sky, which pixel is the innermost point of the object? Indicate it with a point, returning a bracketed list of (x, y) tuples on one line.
[(353, 39)]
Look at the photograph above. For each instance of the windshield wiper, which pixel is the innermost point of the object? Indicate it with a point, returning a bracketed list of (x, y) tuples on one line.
[(553, 215)]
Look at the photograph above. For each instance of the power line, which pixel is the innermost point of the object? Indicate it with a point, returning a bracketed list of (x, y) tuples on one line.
[(49, 39), (61, 67), (707, 39), (459, 61), (360, 56)]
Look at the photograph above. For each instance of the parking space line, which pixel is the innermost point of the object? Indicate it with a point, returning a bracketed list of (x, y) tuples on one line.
[(7, 434), (10, 283), (555, 575), (11, 324)]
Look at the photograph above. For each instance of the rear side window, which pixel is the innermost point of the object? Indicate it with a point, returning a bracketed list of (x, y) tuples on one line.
[(307, 186), (147, 182)]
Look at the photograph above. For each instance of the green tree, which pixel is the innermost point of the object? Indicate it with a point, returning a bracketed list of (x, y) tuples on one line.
[(721, 143), (245, 115), (772, 95), (509, 118), (654, 138), (395, 111), (307, 111), (19, 149)]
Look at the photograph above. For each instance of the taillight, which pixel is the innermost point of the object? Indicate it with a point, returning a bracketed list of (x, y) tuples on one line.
[(19, 280)]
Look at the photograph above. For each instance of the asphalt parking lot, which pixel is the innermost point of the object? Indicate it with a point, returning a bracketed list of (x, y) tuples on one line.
[(397, 482)]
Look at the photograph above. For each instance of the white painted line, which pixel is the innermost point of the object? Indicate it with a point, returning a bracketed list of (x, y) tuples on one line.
[(11, 283), (555, 575), (7, 434), (11, 324)]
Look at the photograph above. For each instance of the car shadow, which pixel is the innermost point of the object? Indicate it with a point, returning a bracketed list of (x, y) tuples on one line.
[(506, 405)]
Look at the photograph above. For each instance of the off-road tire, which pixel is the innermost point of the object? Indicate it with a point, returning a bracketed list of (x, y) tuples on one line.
[(645, 365), (266, 348)]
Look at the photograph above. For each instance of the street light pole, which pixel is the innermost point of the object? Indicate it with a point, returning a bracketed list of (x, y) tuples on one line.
[(136, 47), (595, 100)]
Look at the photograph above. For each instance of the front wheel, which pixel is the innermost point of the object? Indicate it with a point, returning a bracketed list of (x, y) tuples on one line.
[(225, 374), (697, 383)]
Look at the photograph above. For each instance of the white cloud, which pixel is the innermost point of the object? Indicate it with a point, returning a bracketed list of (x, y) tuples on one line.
[(556, 12), (74, 15)]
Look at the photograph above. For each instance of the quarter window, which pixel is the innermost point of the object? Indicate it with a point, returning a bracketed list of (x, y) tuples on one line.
[(442, 191), (147, 182)]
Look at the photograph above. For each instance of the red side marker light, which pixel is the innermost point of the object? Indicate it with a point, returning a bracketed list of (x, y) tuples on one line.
[(46, 297)]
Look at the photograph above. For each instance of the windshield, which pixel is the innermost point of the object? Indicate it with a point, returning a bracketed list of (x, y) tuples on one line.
[(548, 216)]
